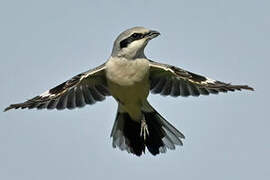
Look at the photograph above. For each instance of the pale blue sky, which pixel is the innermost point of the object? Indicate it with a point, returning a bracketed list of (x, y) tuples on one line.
[(44, 43)]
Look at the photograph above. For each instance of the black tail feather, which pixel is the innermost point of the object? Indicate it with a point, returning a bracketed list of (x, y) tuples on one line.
[(131, 130), (162, 135), (156, 133)]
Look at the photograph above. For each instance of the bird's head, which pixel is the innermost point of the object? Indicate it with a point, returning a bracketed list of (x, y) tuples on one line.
[(131, 43)]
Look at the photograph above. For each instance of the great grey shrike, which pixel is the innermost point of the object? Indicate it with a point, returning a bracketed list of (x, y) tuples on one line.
[(128, 76)]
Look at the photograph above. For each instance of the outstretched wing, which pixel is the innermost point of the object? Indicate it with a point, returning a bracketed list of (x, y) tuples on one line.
[(170, 80), (85, 88)]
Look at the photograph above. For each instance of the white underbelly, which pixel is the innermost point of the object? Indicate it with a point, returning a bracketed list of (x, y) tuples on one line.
[(128, 82), (131, 94)]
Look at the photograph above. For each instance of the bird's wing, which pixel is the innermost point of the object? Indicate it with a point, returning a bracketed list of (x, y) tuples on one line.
[(82, 89), (170, 80)]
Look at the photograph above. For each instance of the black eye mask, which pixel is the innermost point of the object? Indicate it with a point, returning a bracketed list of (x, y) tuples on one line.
[(135, 36)]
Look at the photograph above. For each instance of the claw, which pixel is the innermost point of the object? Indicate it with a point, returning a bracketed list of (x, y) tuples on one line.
[(144, 129)]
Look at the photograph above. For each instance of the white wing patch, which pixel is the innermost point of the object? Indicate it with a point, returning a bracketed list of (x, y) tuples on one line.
[(209, 81), (46, 94)]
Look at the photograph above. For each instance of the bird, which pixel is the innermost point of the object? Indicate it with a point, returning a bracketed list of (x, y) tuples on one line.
[(129, 76)]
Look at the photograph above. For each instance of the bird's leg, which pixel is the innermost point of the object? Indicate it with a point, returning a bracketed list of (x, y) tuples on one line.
[(144, 129)]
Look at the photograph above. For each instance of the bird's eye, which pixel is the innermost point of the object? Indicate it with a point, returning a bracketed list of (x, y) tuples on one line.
[(136, 35)]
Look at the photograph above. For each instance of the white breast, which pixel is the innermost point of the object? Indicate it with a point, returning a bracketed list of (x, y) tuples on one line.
[(126, 72)]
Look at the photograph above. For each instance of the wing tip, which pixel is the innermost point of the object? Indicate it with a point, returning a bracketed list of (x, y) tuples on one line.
[(16, 106), (246, 87), (12, 106), (7, 108)]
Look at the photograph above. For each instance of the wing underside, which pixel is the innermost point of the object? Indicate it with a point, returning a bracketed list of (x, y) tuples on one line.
[(174, 81), (85, 88)]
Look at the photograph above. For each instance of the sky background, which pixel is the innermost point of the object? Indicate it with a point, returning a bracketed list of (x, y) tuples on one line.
[(44, 43)]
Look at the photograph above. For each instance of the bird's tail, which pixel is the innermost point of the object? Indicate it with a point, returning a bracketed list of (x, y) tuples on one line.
[(126, 133)]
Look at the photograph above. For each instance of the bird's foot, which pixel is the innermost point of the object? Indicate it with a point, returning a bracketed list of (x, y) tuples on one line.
[(144, 129)]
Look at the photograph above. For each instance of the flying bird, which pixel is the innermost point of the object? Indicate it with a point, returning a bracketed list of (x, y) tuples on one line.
[(128, 76)]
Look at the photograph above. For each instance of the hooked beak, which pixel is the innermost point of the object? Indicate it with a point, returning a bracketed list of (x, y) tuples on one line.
[(152, 34)]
